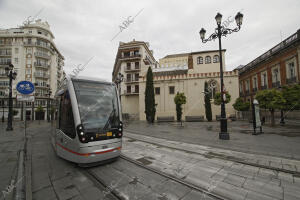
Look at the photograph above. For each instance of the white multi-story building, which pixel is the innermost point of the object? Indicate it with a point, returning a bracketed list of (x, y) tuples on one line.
[(35, 57)]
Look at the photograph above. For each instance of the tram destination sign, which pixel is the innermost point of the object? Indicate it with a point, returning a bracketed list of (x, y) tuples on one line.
[(25, 87)]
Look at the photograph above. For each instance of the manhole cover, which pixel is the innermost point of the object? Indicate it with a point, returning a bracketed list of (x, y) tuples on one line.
[(144, 161)]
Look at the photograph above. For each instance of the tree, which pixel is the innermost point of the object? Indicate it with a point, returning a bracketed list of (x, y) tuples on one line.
[(271, 100), (292, 97), (207, 95), (240, 105), (149, 97), (179, 99), (218, 100)]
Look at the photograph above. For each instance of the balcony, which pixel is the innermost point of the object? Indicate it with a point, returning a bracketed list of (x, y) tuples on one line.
[(42, 55), (136, 68), (291, 80), (133, 56), (276, 84), (264, 87), (3, 75), (28, 43), (42, 65), (41, 75), (135, 80), (5, 63), (6, 44), (46, 46), (5, 54), (41, 85), (131, 92)]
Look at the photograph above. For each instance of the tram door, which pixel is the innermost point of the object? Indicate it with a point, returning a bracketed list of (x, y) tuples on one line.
[(66, 132)]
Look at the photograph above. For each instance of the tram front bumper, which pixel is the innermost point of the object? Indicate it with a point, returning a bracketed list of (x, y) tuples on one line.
[(98, 153)]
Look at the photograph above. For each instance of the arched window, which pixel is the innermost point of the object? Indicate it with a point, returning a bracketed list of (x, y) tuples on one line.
[(216, 59), (207, 59), (213, 87), (199, 60)]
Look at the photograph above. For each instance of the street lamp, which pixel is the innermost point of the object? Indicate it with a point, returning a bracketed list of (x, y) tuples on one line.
[(219, 32), (12, 76), (48, 104)]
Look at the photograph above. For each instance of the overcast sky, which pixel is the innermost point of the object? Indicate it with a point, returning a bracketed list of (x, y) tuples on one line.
[(84, 28)]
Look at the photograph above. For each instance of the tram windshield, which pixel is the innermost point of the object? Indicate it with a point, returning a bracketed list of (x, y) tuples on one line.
[(98, 104)]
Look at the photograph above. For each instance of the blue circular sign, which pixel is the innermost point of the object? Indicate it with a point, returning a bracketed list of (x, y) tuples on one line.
[(25, 87)]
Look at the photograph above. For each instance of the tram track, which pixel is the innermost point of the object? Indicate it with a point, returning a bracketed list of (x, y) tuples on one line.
[(116, 195), (180, 181), (111, 192), (220, 156)]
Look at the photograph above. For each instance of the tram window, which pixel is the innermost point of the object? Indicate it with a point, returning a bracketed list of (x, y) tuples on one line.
[(66, 123)]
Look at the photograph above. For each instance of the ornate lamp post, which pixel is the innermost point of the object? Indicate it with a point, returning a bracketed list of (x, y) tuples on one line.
[(12, 76), (219, 32), (48, 104)]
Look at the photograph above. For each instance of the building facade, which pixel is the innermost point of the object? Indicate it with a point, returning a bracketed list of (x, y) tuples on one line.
[(132, 60), (32, 51), (277, 67), (185, 73)]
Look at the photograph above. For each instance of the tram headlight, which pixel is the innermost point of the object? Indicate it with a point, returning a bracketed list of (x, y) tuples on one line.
[(81, 133)]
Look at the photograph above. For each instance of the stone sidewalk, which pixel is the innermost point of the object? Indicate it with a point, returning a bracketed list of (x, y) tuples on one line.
[(279, 141), (226, 178), (11, 142), (269, 162)]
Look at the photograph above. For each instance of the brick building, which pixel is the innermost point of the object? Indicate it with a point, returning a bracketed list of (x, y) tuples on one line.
[(277, 67)]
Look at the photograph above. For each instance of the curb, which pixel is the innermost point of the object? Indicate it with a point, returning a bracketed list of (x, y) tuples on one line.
[(23, 186)]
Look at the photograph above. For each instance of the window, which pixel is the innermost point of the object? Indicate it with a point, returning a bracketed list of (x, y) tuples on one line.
[(291, 70), (30, 31), (216, 59), (137, 65), (136, 88), (157, 90), (199, 60), (275, 75), (128, 65), (241, 86), (16, 50), (254, 83), (207, 60), (28, 62), (264, 82), (171, 90), (128, 89), (39, 32), (136, 77), (247, 85), (128, 77), (28, 71), (16, 60), (28, 50), (66, 119)]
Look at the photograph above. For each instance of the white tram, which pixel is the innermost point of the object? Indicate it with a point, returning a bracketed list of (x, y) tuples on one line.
[(89, 125)]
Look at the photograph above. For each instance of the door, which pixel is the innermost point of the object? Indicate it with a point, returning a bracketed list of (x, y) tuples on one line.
[(66, 133)]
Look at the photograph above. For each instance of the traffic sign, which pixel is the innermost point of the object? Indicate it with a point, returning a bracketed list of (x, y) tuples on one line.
[(27, 98), (25, 87)]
